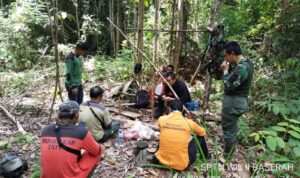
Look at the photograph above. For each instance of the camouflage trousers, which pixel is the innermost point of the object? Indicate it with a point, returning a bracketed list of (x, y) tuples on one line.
[(233, 108)]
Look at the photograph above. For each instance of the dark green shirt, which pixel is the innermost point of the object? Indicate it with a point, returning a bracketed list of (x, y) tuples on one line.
[(238, 80), (73, 71)]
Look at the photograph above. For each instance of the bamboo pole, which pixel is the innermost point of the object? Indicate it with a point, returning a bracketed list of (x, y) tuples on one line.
[(164, 30), (150, 62)]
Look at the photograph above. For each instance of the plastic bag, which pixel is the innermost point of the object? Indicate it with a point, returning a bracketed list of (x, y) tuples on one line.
[(143, 131)]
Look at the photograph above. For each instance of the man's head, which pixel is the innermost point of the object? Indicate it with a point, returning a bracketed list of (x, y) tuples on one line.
[(96, 94), (176, 105), (69, 110), (164, 68), (170, 69), (232, 51), (81, 48), (171, 78)]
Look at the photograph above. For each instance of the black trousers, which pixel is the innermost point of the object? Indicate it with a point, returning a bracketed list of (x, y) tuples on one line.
[(192, 150), (77, 98)]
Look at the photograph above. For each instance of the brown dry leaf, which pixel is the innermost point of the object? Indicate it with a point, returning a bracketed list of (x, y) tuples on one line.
[(153, 172), (151, 150), (221, 158), (108, 143), (24, 147), (129, 153)]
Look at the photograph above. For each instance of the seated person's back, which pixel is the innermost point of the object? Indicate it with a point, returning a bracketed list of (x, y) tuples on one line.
[(97, 117), (57, 161), (93, 123), (175, 138)]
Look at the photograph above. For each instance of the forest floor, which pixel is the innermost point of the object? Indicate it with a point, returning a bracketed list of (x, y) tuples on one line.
[(31, 109)]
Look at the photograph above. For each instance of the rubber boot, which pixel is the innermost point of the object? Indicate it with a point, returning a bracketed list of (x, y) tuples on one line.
[(140, 153), (229, 148)]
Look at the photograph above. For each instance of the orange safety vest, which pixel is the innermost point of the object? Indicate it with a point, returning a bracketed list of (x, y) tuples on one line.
[(175, 135)]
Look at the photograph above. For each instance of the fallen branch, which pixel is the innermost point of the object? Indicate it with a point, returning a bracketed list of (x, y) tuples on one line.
[(17, 104), (13, 119)]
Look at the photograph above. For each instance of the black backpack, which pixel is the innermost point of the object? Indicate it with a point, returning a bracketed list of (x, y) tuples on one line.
[(141, 99), (12, 166)]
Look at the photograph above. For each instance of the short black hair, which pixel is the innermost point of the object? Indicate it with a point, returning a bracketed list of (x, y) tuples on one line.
[(171, 66), (138, 68), (233, 48), (96, 92), (176, 105), (82, 45), (171, 75)]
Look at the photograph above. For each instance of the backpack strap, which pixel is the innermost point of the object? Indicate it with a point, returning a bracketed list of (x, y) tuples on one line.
[(63, 146), (95, 115)]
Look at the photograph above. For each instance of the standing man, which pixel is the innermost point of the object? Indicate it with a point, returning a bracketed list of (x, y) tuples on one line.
[(68, 150), (238, 73), (97, 117), (74, 73)]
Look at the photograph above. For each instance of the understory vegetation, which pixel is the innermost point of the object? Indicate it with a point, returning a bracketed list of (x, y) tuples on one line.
[(268, 31)]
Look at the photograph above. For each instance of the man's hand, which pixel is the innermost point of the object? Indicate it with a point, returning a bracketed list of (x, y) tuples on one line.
[(167, 99), (74, 91), (224, 66)]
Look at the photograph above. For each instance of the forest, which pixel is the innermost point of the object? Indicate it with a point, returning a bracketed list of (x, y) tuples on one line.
[(36, 37)]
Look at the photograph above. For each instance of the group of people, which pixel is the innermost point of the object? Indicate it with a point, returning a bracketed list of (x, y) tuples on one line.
[(70, 148)]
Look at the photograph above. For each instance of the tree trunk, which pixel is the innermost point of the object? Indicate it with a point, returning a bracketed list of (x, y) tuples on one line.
[(172, 28), (156, 34), (118, 21), (112, 32), (155, 40), (195, 20), (77, 19), (54, 30), (178, 35), (140, 26), (213, 14)]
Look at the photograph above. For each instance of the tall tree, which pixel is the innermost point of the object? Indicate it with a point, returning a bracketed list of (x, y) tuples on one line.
[(54, 33), (155, 40), (140, 27), (172, 28), (75, 2), (112, 32), (178, 34)]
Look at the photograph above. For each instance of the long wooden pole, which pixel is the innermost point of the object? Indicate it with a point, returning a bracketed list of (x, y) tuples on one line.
[(164, 30), (150, 62)]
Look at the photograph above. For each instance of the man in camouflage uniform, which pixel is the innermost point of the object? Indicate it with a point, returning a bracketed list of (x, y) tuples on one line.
[(238, 73)]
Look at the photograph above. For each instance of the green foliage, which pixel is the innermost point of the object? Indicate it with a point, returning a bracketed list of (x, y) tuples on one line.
[(283, 142), (28, 138), (36, 173), (114, 69), (244, 131), (22, 34)]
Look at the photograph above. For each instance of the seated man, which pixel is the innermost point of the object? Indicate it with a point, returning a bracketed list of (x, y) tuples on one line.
[(179, 87), (68, 150), (177, 148), (170, 69), (96, 117)]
